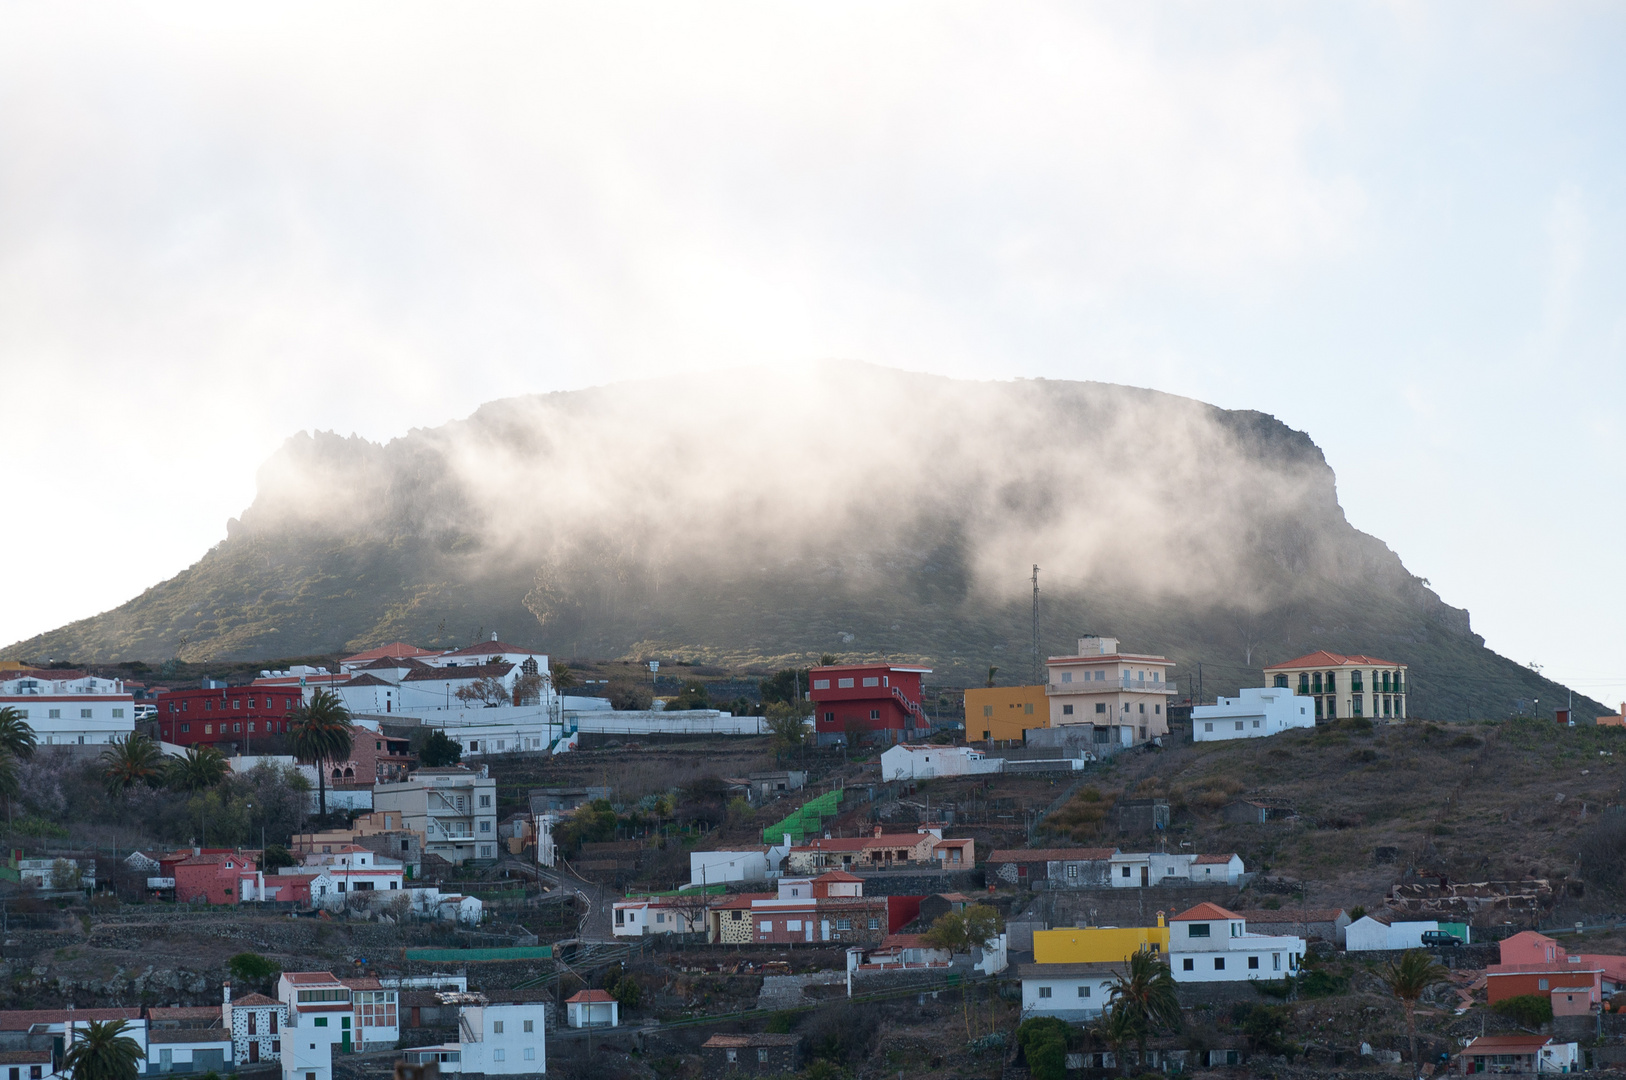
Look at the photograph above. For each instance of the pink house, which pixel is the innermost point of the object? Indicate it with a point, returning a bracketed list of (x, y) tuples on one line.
[(1529, 947)]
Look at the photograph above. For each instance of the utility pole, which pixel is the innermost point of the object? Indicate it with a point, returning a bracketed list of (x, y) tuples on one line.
[(1035, 624)]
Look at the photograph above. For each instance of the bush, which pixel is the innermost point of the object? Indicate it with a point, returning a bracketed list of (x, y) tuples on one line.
[(439, 751), (842, 1035), (252, 968), (1526, 1010), (1043, 1040), (630, 694), (627, 992)]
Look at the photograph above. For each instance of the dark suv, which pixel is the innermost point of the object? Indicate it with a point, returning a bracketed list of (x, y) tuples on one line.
[(1440, 939)]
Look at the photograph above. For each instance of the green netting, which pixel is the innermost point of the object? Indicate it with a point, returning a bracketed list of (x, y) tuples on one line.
[(808, 819), (459, 956)]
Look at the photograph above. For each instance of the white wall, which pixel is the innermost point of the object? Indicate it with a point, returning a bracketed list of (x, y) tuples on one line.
[(1367, 934), (494, 1039), (1272, 957), (1065, 999), (1256, 712), (714, 867), (683, 722), (922, 762)]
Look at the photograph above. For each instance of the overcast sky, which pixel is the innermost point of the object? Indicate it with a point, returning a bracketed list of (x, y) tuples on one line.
[(1399, 228)]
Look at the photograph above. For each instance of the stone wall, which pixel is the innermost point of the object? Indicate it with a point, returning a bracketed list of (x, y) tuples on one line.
[(923, 883)]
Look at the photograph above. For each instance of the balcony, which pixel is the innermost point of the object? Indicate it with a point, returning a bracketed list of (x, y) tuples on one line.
[(1111, 686)]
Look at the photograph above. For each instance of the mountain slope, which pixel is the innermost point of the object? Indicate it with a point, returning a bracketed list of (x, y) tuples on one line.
[(756, 519)]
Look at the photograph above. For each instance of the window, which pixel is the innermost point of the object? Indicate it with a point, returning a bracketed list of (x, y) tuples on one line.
[(321, 1021), (53, 714), (84, 714), (253, 1023), (273, 1028), (1126, 706), (733, 1056), (530, 1051), (1239, 725), (875, 924), (844, 684), (766, 926), (1100, 706), (488, 851), (1275, 961), (1028, 709), (1187, 965), (987, 710), (499, 1054), (1196, 929), (236, 703), (1067, 676), (844, 924), (1143, 707), (1067, 710), (1158, 709), (496, 1027), (821, 684), (1541, 984), (762, 1054), (1256, 723), (118, 714), (1126, 871), (377, 1008), (875, 714), (530, 1026), (1208, 727), (1072, 870), (485, 800), (1101, 676), (1083, 991), (209, 729), (1219, 963), (1044, 991), (485, 826), (793, 925), (1253, 963), (872, 680)]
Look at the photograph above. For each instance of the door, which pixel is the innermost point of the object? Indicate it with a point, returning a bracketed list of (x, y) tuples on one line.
[(253, 1051), (1145, 876), (824, 930), (807, 930), (344, 1038)]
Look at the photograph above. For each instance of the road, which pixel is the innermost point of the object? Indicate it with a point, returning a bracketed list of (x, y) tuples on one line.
[(598, 923)]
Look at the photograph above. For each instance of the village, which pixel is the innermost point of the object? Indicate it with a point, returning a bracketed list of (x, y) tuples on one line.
[(501, 871)]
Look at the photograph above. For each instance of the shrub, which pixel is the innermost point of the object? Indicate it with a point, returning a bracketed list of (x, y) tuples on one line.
[(1044, 1044), (1526, 1010), (252, 967)]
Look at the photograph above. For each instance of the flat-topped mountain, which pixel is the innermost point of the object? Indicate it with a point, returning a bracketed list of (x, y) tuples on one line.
[(749, 518)]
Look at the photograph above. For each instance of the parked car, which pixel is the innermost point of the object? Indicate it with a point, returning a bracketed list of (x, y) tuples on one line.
[(1440, 939)]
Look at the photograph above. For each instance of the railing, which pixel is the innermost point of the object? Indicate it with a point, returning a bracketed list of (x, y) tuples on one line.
[(1090, 686)]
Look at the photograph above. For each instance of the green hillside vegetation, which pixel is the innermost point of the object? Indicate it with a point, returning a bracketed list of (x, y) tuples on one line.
[(897, 520), (1476, 802)]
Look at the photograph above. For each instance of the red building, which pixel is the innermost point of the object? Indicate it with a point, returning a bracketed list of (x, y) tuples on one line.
[(879, 700), (214, 878), (234, 714)]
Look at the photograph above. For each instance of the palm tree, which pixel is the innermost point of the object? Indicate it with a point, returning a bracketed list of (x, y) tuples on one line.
[(1146, 993), (134, 759), (1406, 979), (321, 733), (1118, 1028), (202, 768), (102, 1051), (15, 734)]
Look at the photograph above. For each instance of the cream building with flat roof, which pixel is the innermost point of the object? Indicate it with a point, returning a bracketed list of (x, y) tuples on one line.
[(1124, 695)]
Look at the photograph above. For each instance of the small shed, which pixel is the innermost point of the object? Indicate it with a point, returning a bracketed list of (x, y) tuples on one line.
[(592, 1008), (754, 1054)]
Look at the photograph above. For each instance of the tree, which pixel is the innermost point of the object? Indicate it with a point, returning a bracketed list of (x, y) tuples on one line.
[(528, 689), (992, 671), (134, 759), (1407, 979), (252, 968), (488, 691), (16, 737), (962, 931), (787, 726), (321, 733), (853, 731), (1118, 1028), (563, 678), (627, 992), (438, 751), (1526, 1010), (784, 687), (101, 1050), (1043, 1040), (1145, 992), (201, 769), (274, 858), (692, 696), (66, 875), (631, 694)]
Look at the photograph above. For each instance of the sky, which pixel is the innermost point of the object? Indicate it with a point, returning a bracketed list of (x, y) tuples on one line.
[(1400, 228)]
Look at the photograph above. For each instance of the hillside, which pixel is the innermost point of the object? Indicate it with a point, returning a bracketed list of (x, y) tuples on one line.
[(751, 520)]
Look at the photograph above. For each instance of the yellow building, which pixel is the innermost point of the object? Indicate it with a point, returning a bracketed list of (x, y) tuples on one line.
[(1000, 713), (1098, 944)]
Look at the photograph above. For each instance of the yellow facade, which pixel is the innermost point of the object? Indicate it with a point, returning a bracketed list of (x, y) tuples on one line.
[(1001, 712), (1098, 944)]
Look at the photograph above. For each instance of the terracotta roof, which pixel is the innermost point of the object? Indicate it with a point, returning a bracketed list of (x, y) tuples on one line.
[(473, 671), (1215, 858), (367, 983), (307, 977), (491, 648), (387, 663), (368, 680), (1019, 855), (254, 1001), (743, 900), (187, 1012), (593, 997), (1488, 1043), (1323, 658), (1205, 911), (188, 1035), (837, 875), (23, 1019), (737, 1042), (394, 648)]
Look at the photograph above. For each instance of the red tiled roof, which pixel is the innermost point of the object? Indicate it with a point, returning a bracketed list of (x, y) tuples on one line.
[(869, 667), (490, 648), (837, 875), (472, 671), (23, 1019), (1205, 910), (185, 1012), (1487, 1043), (1019, 855), (254, 1001), (394, 648), (1323, 658), (1215, 858), (367, 983), (310, 977), (743, 900), (368, 680), (594, 997)]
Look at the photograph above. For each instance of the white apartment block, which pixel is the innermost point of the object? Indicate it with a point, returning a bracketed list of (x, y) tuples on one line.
[(79, 709), (454, 808), (1210, 944), (1255, 713), (1124, 695)]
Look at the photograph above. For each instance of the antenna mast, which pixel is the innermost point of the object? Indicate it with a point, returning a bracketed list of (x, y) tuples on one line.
[(1035, 624)]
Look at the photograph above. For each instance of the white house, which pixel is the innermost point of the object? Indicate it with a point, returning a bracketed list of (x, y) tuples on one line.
[(1071, 992), (1210, 944), (922, 761), (431, 903), (65, 707), (1371, 933), (1133, 870), (592, 1008), (189, 1050), (353, 868), (256, 1024), (319, 1017), (1255, 712), (740, 864), (660, 915), (494, 1040)]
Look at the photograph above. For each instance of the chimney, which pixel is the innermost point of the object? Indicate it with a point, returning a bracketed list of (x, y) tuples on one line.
[(877, 830), (225, 990)]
